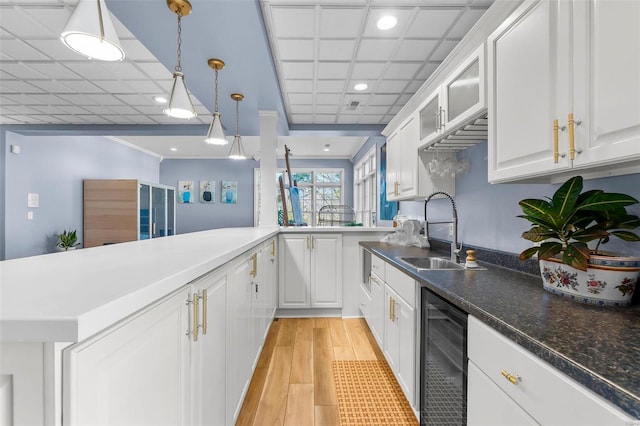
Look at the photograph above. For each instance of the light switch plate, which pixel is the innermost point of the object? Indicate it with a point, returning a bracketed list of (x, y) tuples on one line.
[(33, 200), (15, 149)]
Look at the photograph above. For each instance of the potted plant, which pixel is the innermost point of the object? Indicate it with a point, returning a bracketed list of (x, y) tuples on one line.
[(67, 240), (564, 225)]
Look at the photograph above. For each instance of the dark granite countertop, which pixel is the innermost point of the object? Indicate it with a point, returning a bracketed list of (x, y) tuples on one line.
[(598, 347)]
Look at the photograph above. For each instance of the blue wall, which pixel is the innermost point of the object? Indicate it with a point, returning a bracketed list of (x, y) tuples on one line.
[(54, 167), (200, 216), (488, 213)]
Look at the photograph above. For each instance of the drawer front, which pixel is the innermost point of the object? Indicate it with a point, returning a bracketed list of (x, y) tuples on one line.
[(402, 284), (378, 267), (548, 395)]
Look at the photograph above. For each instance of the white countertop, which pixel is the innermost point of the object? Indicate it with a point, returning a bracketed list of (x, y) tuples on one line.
[(333, 229), (67, 297)]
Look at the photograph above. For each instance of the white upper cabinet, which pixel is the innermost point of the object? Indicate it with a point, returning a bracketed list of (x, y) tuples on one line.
[(457, 101), (563, 90)]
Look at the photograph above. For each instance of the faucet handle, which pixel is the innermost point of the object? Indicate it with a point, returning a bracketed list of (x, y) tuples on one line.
[(457, 250)]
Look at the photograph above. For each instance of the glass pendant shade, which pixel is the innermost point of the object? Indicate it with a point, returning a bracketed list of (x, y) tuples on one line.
[(237, 150), (90, 32), (216, 135), (180, 105)]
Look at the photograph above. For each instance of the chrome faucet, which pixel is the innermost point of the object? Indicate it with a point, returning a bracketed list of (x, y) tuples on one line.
[(455, 250)]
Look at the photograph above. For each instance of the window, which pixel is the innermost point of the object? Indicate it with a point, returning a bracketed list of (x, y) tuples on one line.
[(317, 188), (365, 191)]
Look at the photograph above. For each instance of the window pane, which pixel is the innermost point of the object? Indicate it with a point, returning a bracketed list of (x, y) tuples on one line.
[(301, 177), (328, 196), (328, 177)]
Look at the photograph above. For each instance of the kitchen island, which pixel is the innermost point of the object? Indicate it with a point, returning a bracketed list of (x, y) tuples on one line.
[(128, 298), (596, 346)]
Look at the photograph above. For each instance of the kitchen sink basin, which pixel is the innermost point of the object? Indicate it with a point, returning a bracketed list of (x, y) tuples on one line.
[(433, 263)]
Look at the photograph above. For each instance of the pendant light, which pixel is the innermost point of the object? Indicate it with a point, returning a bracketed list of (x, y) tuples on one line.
[(90, 32), (237, 150), (216, 135), (180, 105)]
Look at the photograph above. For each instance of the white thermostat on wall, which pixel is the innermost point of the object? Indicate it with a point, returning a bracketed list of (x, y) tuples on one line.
[(33, 200)]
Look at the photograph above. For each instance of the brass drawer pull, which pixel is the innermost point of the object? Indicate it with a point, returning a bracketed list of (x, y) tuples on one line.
[(513, 379)]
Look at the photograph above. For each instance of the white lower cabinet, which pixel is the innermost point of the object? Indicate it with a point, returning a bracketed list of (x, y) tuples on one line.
[(511, 376), (134, 373), (376, 316), (310, 271)]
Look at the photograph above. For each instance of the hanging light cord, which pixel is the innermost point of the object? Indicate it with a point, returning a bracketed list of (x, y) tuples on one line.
[(100, 19), (237, 117), (179, 66), (216, 89)]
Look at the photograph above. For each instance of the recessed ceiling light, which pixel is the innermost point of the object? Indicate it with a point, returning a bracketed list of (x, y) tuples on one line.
[(173, 149), (387, 22), (361, 86), (160, 100), (326, 148)]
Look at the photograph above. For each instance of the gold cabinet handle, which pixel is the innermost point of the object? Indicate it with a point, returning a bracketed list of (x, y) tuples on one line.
[(254, 269), (513, 379), (395, 190), (307, 242), (390, 308), (556, 153), (195, 317), (313, 243), (572, 143), (204, 311), (273, 247), (393, 306)]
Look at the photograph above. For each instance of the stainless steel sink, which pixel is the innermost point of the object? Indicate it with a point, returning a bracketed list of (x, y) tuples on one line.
[(433, 263)]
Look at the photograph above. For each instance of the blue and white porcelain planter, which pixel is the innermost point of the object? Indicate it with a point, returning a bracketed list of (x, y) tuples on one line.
[(608, 280)]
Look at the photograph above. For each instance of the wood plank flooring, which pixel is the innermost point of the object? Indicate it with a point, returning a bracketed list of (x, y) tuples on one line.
[(293, 382)]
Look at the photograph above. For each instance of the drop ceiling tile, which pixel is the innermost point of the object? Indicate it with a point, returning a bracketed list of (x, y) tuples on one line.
[(302, 118), (18, 109), (297, 70), (301, 98), (333, 70), (415, 50), (402, 71), (55, 50), (299, 85), (93, 109), (113, 86), (24, 71), (149, 86), (370, 119), (296, 50), (328, 98), (5, 119), (51, 20), (48, 119), (378, 99), (330, 86), (301, 109), (6, 76), (432, 23), (443, 50), (21, 24), (105, 99), (163, 119), (72, 109), (347, 119), (367, 70), (142, 119), (403, 15), (156, 71), (8, 100), (124, 110), (343, 22), (465, 23), (89, 70), (18, 86), (153, 110), (376, 49), (72, 119), (134, 50), (124, 70), (327, 109), (324, 119), (404, 99), (293, 21), (134, 99), (374, 110), (82, 86), (20, 51), (52, 86), (414, 85), (427, 70), (395, 109), (336, 49), (392, 86)]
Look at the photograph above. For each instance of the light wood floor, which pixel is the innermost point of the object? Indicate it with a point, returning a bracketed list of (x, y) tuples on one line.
[(293, 381)]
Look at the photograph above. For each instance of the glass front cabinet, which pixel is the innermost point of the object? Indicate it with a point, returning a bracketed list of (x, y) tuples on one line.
[(157, 211)]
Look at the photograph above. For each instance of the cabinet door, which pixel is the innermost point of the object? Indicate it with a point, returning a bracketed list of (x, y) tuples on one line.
[(258, 293), (272, 292), (487, 404), (527, 90), (406, 318), (239, 310), (409, 139), (208, 365), (464, 92), (295, 271), (391, 347), (606, 81), (142, 365), (431, 119), (392, 174), (326, 271), (377, 311)]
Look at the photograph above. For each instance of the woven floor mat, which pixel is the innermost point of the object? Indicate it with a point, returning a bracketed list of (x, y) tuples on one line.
[(368, 394)]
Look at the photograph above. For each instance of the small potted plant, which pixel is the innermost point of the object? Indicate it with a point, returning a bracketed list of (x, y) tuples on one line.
[(564, 225), (68, 240)]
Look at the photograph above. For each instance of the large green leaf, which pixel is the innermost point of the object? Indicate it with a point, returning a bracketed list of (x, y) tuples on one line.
[(576, 255), (628, 222), (566, 196), (538, 233), (602, 201), (541, 210), (549, 249), (590, 234), (626, 235), (538, 221), (528, 253)]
